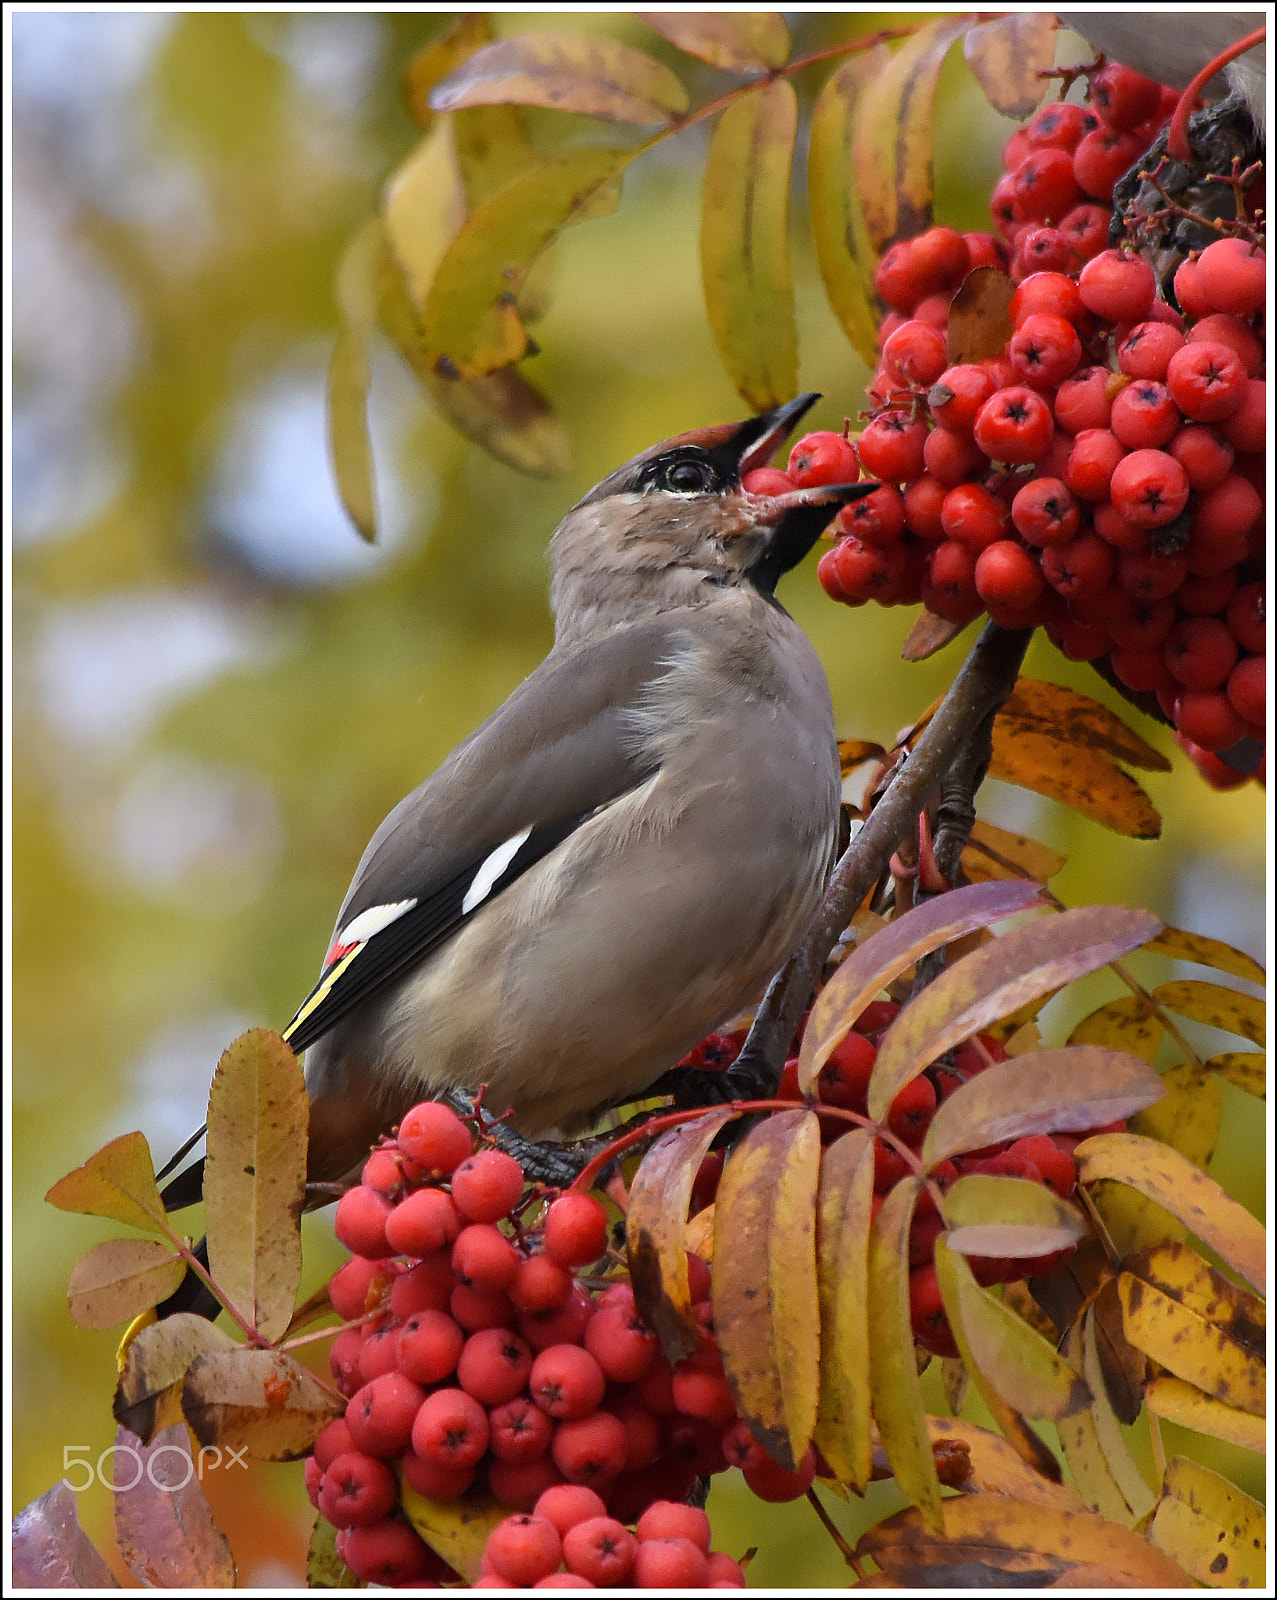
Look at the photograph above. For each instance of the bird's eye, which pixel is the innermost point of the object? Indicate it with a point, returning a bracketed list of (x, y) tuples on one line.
[(689, 477)]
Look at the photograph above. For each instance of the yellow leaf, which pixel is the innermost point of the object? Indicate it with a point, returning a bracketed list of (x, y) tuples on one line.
[(745, 270), (1000, 1350), (1188, 1118), (491, 148), (998, 978), (766, 1305), (881, 959), (1175, 1184), (844, 1212), (893, 1372), (999, 1467), (844, 253), (565, 72), (121, 1278), (989, 1538), (260, 1401), (995, 853), (255, 1178), (1129, 1023), (1248, 1069), (117, 1181), (458, 1530), (733, 41), (422, 207), (1214, 1005), (1121, 1464), (1184, 1404), (1008, 56), (1211, 1528), (349, 375), (1080, 1441), (892, 141), (1036, 706), (470, 322), (655, 1231), (1207, 952)]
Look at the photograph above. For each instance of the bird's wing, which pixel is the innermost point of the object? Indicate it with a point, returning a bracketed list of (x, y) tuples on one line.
[(560, 749)]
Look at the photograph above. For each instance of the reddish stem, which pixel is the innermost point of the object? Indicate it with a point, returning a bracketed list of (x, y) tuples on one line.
[(1177, 138)]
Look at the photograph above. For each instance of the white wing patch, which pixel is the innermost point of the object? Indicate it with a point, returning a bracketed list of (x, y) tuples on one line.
[(490, 871), (371, 921)]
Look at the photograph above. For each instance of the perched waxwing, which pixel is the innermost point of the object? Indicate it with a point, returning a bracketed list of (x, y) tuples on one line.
[(618, 859)]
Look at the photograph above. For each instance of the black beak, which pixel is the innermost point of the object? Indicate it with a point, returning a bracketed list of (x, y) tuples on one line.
[(799, 517)]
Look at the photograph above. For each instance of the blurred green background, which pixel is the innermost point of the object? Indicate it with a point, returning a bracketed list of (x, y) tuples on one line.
[(218, 691)]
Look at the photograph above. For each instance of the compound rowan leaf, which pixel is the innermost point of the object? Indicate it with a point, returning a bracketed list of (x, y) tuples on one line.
[(1197, 1324), (120, 1278), (1048, 1091), (1211, 1528), (255, 1177), (349, 375), (881, 959), (1008, 56), (148, 1394), (979, 318), (470, 323), (745, 269), (117, 1181), (1129, 1023), (733, 41), (1248, 1069), (993, 852), (1207, 952), (994, 1541), (565, 72), (892, 137), (844, 1210), (457, 1530), (1218, 1007), (259, 1401), (164, 1526), (893, 1371), (844, 252), (1000, 1350), (1184, 1404), (50, 1550), (765, 1299), (1175, 1184), (654, 1231)]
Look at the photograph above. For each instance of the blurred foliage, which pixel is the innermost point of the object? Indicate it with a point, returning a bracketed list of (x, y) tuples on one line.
[(218, 694)]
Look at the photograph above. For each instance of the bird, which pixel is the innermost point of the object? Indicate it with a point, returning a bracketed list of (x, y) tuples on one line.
[(617, 860)]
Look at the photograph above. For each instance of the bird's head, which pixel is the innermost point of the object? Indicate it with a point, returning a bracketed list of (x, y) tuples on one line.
[(675, 524)]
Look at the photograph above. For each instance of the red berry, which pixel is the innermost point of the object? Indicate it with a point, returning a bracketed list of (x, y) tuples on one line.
[(435, 1137), (1117, 286), (1247, 689), (622, 1343), (1147, 348), (474, 1308), (1100, 159), (423, 1222), (957, 394), (1006, 575), (941, 258), (1015, 425), (484, 1257), (1086, 228), (927, 1315), (1044, 187), (360, 1222), (576, 1224), (357, 1489), (670, 1564), (890, 448), (564, 1323), (1206, 380), (878, 519), (1058, 126), (1246, 617), (820, 458), (844, 1078), (1044, 350), (494, 1365), (973, 516), (767, 481), (540, 1284), (356, 1287), (1200, 652), (520, 1484), (1246, 428), (451, 1428), (1084, 400), (569, 1504), (591, 1449), (390, 1553), (380, 1415), (566, 1381), (1045, 512), (434, 1480), (770, 1481), (602, 1550), (1149, 488), (1144, 417), (667, 1519), (914, 356), (427, 1286), (487, 1186), (1204, 453), (1080, 568), (523, 1549), (1209, 719), (1123, 98), (1232, 275)]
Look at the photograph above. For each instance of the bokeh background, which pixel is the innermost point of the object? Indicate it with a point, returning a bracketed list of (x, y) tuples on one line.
[(218, 691)]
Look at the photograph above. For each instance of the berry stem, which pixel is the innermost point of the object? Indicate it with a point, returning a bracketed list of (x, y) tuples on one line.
[(1177, 137)]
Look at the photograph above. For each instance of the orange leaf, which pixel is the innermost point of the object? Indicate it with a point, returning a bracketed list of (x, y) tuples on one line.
[(261, 1401), (766, 1306), (117, 1181), (654, 1231), (979, 318)]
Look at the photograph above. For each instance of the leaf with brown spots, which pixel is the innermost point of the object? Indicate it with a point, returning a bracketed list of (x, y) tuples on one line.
[(1248, 1069), (1188, 1118), (1207, 952), (980, 325), (1218, 1007), (155, 1364), (1175, 1184), (457, 1530), (1080, 1442), (1197, 1324), (120, 1278), (1211, 1528), (1184, 1404), (765, 1298), (261, 1401), (1128, 1023), (117, 1181), (655, 1231), (993, 852)]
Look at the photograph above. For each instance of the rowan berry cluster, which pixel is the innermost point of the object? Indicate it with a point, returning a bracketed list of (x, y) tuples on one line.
[(568, 1541), (481, 1355), (1103, 475)]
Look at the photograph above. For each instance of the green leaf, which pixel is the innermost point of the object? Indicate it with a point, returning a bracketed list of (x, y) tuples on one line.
[(733, 41), (565, 72), (997, 980), (844, 251), (749, 292), (470, 322)]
